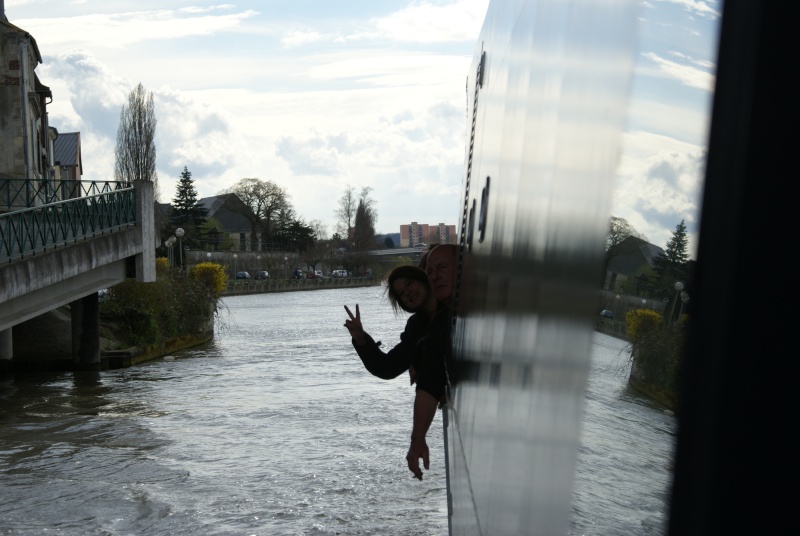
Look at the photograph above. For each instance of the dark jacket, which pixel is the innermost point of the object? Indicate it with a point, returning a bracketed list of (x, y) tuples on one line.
[(431, 355), (389, 365)]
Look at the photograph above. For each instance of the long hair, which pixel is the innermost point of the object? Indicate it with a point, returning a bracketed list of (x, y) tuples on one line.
[(406, 271)]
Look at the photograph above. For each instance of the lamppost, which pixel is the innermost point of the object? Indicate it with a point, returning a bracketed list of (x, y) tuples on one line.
[(684, 301), (258, 264), (179, 232), (616, 305), (208, 256), (286, 266), (168, 243), (235, 265), (644, 304), (678, 289)]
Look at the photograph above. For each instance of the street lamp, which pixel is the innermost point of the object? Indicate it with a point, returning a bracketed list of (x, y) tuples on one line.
[(286, 266), (684, 301), (208, 256), (170, 254), (644, 303), (235, 264), (616, 305), (179, 232), (258, 264), (678, 289)]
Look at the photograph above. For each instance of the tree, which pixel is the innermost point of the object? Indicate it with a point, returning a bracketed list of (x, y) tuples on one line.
[(135, 153), (363, 235), (265, 200), (186, 212), (388, 242), (618, 230), (671, 266), (291, 233), (346, 213)]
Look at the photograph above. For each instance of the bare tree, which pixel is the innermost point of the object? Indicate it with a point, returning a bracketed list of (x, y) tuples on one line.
[(136, 149), (349, 205), (266, 200), (618, 230), (346, 213)]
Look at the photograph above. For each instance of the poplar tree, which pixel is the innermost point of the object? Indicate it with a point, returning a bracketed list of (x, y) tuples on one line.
[(135, 152)]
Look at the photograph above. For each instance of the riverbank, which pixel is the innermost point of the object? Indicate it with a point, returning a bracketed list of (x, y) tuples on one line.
[(253, 286)]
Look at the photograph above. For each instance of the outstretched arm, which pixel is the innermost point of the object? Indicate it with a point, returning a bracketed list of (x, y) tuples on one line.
[(354, 326), (424, 411)]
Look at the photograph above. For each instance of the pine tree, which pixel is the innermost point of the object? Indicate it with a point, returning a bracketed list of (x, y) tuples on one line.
[(671, 267), (677, 246), (186, 211)]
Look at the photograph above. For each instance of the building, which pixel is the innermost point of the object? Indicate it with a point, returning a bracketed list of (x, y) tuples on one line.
[(25, 136), (231, 222), (67, 156), (629, 265), (416, 233)]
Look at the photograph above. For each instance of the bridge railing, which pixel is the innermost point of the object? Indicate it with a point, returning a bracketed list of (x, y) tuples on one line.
[(16, 194), (42, 228)]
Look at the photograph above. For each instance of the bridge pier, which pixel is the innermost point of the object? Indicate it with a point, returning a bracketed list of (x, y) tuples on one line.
[(6, 349), (86, 331)]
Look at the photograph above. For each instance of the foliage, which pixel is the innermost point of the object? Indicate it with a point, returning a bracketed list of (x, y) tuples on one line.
[(618, 230), (135, 152), (388, 242), (347, 215), (186, 212), (657, 348), (671, 267), (211, 276), (263, 200), (642, 322), (147, 313)]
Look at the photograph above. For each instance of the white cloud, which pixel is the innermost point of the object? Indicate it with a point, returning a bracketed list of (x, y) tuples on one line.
[(686, 74), (427, 22), (699, 8), (119, 30), (659, 184)]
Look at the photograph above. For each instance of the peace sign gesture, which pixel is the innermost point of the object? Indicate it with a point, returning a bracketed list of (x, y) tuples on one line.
[(354, 326)]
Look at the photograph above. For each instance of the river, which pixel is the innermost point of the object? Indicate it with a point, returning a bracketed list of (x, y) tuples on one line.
[(275, 428)]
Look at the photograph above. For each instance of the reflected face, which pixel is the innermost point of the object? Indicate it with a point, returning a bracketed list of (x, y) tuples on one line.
[(441, 270), (410, 292)]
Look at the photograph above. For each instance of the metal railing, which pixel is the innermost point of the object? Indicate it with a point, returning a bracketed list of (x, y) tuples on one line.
[(16, 194), (42, 228)]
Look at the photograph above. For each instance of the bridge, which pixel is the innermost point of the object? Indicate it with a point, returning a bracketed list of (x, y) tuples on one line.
[(60, 243)]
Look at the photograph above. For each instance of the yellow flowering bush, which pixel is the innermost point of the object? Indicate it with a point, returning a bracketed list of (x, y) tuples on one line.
[(641, 322), (211, 275)]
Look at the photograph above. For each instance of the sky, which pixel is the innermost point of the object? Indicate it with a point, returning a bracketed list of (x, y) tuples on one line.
[(319, 95)]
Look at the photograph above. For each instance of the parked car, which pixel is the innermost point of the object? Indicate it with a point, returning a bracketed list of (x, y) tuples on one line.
[(313, 275), (298, 274), (262, 274), (606, 313), (339, 273), (242, 275)]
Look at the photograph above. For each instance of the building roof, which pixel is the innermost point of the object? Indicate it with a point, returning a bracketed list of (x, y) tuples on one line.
[(632, 254), (67, 149), (5, 25), (229, 211)]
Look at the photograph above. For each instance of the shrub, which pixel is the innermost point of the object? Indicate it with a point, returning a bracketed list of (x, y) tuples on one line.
[(174, 305), (641, 322), (211, 276), (657, 349)]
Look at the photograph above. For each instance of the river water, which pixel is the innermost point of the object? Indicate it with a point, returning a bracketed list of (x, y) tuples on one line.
[(275, 428)]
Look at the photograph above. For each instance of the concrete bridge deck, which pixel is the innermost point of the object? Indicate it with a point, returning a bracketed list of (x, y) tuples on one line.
[(40, 279)]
